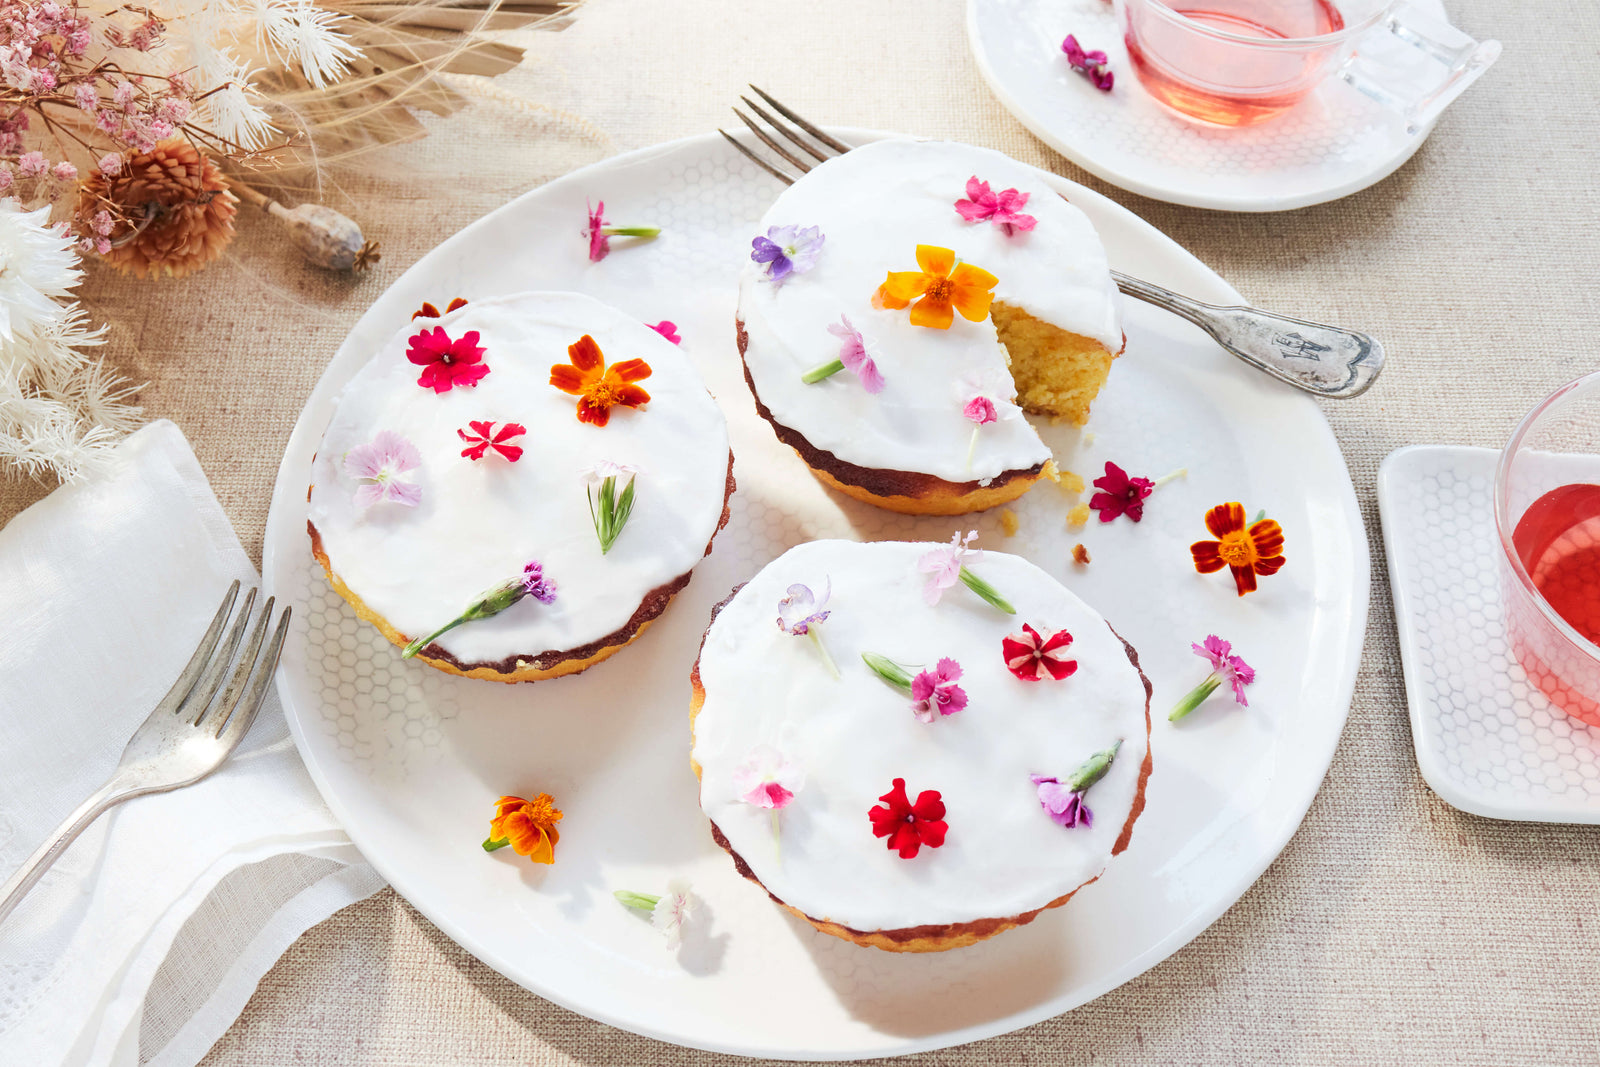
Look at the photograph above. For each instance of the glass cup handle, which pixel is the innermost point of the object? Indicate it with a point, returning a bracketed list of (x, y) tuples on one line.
[(1415, 64)]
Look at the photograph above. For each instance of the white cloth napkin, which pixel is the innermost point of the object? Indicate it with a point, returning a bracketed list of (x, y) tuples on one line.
[(145, 940)]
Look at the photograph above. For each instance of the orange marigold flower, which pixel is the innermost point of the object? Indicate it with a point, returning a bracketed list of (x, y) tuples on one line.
[(599, 388), (528, 826), (428, 311), (939, 288), (1248, 552)]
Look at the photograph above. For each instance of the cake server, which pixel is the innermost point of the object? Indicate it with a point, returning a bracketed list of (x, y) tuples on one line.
[(1323, 360)]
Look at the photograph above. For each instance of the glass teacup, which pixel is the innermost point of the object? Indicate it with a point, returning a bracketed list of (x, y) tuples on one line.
[(1547, 510), (1242, 62)]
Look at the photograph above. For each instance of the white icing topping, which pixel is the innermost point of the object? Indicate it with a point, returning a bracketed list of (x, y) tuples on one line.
[(853, 737), (479, 522), (875, 204)]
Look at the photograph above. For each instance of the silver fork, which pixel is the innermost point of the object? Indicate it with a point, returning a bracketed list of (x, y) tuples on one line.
[(188, 736), (1328, 361)]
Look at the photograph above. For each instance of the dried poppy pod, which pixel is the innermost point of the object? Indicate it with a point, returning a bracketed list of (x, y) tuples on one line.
[(174, 211)]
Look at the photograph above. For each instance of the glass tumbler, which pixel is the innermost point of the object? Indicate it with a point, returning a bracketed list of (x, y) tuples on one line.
[(1242, 62), (1547, 512)]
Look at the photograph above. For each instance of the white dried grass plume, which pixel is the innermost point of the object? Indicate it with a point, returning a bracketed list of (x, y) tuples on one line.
[(61, 412), (303, 36)]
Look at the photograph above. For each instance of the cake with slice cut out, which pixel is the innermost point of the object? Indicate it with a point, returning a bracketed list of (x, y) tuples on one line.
[(905, 303), (900, 761), (514, 488)]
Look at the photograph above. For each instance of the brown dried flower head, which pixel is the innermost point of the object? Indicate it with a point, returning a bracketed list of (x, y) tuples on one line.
[(173, 209)]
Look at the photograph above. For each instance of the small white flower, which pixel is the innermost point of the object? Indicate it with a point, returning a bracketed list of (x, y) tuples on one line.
[(607, 469), (674, 908), (38, 262)]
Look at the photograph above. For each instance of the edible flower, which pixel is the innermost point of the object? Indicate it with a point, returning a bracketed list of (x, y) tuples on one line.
[(986, 396), (528, 826), (1120, 495), (668, 329), (1064, 801), (1004, 208), (940, 287), (378, 466), (1032, 657), (948, 563), (1247, 552), (532, 583), (612, 513), (768, 779), (484, 437), (909, 826), (428, 311), (935, 693), (1225, 667), (801, 614), (600, 233), (668, 912), (445, 363), (852, 357), (787, 250), (599, 388), (1091, 65)]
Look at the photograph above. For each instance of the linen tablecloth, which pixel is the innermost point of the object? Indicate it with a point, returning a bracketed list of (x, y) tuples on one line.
[(1393, 929)]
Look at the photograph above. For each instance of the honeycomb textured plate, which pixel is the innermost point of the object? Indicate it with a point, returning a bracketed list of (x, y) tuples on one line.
[(1488, 741), (411, 760), (1334, 143)]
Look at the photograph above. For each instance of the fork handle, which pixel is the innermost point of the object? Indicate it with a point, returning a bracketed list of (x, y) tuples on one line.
[(27, 876), (1325, 360)]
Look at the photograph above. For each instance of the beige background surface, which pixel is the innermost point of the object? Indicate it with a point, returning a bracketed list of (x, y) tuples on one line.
[(1393, 929)]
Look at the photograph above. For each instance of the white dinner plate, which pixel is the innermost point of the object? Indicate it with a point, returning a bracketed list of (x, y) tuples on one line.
[(411, 760), (1332, 144)]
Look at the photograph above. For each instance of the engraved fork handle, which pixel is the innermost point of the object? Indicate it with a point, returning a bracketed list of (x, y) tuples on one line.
[(1325, 360)]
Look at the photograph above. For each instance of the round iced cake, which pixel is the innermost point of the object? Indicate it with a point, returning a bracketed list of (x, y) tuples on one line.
[(425, 499), (1045, 341), (770, 718)]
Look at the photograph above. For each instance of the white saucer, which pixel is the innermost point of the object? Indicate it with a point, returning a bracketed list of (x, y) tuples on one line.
[(1488, 741), (1334, 143)]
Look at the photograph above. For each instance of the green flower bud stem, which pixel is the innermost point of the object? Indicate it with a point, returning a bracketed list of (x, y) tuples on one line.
[(1195, 697), (987, 591), (493, 602), (631, 231), (1181, 472), (1092, 769), (642, 901), (490, 844), (972, 446), (1259, 516), (814, 631), (825, 370), (888, 670), (612, 514)]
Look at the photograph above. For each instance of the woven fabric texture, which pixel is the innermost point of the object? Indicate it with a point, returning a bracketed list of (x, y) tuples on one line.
[(1393, 929)]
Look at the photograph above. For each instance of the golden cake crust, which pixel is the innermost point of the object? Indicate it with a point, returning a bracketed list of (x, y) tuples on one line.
[(537, 666), (935, 937)]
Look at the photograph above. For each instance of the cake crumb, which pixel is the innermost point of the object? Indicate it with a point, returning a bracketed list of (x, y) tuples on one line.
[(1078, 516), (1051, 471), (1080, 555), (1070, 483), (1008, 522), (1088, 438)]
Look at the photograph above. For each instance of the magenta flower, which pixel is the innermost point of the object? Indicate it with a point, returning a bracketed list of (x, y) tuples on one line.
[(447, 363), (1004, 208), (801, 607), (768, 779), (378, 467), (485, 437), (1120, 495), (853, 354), (600, 232), (935, 693), (1092, 65), (668, 329), (787, 250), (1225, 667), (1063, 804), (535, 584)]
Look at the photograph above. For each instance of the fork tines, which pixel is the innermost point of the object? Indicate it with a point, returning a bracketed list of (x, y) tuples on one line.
[(792, 133), (192, 695)]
